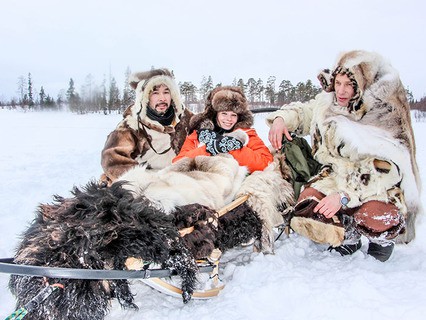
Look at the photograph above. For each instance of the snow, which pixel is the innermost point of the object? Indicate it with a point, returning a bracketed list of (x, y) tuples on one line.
[(48, 153)]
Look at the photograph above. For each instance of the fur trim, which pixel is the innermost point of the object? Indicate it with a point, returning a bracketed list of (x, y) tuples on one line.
[(143, 84), (226, 98), (270, 196), (318, 231), (240, 135)]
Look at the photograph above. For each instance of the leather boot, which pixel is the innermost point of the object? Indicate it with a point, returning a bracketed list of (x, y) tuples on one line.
[(381, 252), (346, 249)]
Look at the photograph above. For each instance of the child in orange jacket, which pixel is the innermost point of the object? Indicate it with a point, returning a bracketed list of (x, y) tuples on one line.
[(225, 127)]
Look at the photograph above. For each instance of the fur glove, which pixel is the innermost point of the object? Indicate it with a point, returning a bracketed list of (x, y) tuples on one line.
[(216, 143)]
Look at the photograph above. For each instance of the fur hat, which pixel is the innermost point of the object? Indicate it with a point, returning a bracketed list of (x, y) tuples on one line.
[(364, 69), (144, 83), (226, 98)]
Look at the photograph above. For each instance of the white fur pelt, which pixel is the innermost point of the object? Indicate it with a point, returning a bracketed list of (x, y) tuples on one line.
[(209, 181), (270, 195)]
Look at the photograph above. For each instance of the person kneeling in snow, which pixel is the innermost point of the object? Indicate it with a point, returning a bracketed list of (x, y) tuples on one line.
[(361, 133)]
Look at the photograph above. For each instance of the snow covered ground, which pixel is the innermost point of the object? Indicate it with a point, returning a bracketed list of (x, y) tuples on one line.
[(47, 153)]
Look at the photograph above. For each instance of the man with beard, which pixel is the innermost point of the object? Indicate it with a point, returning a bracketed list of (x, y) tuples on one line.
[(153, 129)]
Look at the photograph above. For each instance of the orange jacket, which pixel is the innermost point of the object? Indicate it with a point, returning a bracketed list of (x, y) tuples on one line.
[(255, 155)]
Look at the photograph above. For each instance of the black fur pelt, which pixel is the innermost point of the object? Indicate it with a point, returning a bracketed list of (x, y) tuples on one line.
[(98, 228), (238, 226)]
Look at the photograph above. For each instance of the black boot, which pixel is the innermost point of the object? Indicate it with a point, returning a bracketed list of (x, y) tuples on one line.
[(380, 252), (346, 249)]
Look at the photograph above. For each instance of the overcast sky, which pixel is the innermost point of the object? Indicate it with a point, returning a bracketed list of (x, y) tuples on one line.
[(292, 40)]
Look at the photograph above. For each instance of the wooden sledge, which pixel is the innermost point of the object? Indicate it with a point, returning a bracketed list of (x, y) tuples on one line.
[(171, 286)]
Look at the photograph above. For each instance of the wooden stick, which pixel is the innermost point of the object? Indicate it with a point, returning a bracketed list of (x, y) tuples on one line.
[(232, 205)]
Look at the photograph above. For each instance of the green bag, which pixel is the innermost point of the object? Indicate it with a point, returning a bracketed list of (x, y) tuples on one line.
[(299, 157)]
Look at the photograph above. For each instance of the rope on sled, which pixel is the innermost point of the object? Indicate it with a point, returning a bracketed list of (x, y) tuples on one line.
[(35, 302)]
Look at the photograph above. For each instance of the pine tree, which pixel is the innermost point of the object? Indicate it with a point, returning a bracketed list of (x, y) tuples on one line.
[(251, 89), (205, 87), (114, 101), (241, 84), (188, 90), (73, 98), (21, 90), (30, 91), (259, 90), (42, 96), (128, 94), (103, 98), (270, 90)]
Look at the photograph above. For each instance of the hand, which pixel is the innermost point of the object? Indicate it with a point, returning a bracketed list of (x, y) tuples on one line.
[(276, 132), (216, 143), (206, 135), (329, 205)]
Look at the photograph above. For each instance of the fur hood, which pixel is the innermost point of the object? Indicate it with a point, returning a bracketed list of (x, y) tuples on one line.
[(378, 115), (143, 83), (370, 74), (226, 98), (380, 99)]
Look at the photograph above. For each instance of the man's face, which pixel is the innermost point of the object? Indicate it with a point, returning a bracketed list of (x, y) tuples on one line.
[(344, 90), (160, 99)]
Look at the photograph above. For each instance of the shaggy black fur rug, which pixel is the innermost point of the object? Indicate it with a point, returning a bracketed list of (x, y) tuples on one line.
[(99, 228)]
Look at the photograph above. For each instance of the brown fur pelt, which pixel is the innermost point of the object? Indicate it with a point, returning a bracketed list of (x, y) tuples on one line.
[(271, 195), (98, 228), (238, 226), (201, 241)]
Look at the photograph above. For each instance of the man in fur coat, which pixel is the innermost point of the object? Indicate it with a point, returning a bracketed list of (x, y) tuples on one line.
[(361, 133), (153, 129)]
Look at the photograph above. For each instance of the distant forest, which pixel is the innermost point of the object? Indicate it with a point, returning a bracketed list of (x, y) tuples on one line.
[(108, 97)]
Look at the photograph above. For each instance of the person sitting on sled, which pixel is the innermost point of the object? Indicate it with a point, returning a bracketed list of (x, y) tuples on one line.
[(361, 133), (225, 126), (153, 129)]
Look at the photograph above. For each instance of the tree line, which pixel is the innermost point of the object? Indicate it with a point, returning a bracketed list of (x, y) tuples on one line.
[(108, 97)]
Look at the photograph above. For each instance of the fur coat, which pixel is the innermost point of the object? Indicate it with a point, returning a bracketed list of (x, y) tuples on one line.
[(368, 148), (141, 140)]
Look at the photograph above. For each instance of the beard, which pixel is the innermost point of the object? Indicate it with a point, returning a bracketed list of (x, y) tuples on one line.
[(161, 108)]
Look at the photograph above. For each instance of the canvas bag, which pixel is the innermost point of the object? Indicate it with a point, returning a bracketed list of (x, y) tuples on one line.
[(298, 154)]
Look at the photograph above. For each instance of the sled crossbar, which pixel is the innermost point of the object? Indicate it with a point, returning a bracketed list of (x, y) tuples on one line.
[(7, 266)]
